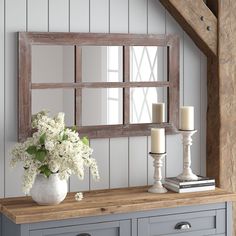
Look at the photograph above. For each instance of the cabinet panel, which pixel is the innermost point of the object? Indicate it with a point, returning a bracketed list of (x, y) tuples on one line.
[(197, 223), (118, 228)]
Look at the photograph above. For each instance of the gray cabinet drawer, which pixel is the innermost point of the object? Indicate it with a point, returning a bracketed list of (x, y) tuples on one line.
[(117, 228), (200, 224)]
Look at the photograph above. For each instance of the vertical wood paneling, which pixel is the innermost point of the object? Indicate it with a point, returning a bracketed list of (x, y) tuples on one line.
[(138, 161), (58, 15), (174, 159), (203, 117), (2, 84), (192, 94), (15, 21), (79, 22), (101, 154), (79, 15), (138, 16), (119, 24), (157, 25), (99, 16), (125, 161), (138, 153), (37, 17), (119, 164), (99, 22)]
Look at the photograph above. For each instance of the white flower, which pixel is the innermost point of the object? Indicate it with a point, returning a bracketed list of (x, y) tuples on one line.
[(49, 145), (79, 196), (62, 150)]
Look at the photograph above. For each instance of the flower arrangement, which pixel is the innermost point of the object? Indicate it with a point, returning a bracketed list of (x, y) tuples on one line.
[(53, 148)]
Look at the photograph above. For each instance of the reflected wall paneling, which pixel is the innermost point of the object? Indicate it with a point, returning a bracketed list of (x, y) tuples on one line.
[(2, 98), (123, 161)]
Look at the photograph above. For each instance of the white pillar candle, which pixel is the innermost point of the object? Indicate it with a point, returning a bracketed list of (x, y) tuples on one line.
[(158, 141), (158, 112), (186, 118)]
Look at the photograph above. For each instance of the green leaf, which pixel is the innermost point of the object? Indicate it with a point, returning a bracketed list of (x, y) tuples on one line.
[(40, 155), (64, 137), (85, 141), (74, 128), (42, 138), (45, 170), (31, 150)]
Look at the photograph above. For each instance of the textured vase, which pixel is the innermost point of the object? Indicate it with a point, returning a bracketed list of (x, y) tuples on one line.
[(49, 191)]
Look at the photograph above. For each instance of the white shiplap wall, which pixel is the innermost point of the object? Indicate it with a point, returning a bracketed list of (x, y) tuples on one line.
[(122, 161)]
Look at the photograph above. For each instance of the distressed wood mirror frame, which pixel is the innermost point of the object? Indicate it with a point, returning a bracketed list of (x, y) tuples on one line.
[(27, 40)]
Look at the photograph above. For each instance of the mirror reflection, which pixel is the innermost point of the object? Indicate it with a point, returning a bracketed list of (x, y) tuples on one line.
[(102, 64), (147, 63), (52, 64), (147, 105), (102, 106), (55, 100)]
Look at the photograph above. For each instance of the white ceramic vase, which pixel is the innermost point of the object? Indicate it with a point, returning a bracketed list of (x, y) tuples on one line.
[(49, 191)]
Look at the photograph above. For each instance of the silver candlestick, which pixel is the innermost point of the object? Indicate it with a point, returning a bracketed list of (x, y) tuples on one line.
[(187, 142), (157, 163)]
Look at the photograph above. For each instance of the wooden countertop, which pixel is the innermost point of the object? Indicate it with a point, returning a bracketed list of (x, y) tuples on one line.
[(102, 202)]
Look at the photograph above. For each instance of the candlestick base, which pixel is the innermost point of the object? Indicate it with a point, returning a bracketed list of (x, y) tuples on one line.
[(187, 176), (157, 163), (187, 142)]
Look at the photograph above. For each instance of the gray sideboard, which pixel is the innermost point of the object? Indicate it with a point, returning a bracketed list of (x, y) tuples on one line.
[(122, 215)]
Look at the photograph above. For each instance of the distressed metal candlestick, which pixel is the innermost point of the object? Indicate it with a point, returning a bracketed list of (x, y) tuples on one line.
[(187, 142), (157, 163)]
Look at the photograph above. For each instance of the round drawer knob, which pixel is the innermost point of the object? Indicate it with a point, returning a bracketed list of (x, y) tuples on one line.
[(183, 226)]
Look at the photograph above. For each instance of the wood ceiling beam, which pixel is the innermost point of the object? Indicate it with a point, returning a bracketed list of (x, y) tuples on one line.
[(197, 20)]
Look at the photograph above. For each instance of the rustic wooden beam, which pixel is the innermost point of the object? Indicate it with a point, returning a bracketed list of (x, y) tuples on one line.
[(197, 20), (227, 96)]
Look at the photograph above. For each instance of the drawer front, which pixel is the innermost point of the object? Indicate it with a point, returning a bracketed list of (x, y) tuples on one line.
[(189, 224), (117, 228)]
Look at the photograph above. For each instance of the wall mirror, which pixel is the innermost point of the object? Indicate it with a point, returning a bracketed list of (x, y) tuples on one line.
[(107, 84)]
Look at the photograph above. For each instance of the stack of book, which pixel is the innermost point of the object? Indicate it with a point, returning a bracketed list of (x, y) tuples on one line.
[(187, 186)]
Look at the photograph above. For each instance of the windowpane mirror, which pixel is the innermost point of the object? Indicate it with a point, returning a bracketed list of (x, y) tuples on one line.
[(102, 64), (102, 106), (143, 105), (147, 63), (54, 101), (52, 64), (108, 85)]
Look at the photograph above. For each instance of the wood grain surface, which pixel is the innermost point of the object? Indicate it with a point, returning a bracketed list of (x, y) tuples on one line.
[(227, 93), (197, 20), (104, 202)]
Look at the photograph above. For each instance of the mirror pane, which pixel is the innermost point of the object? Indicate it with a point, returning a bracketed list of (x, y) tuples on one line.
[(147, 63), (102, 106), (54, 101), (102, 64), (147, 105), (52, 64)]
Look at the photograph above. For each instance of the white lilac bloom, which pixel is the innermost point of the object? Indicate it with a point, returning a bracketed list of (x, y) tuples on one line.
[(53, 149), (79, 196)]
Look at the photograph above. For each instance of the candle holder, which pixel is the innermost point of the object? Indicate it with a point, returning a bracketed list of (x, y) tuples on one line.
[(187, 142), (157, 163)]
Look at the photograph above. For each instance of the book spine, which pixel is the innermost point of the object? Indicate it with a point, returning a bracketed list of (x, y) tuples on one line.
[(190, 185), (199, 189), (190, 182), (189, 190)]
